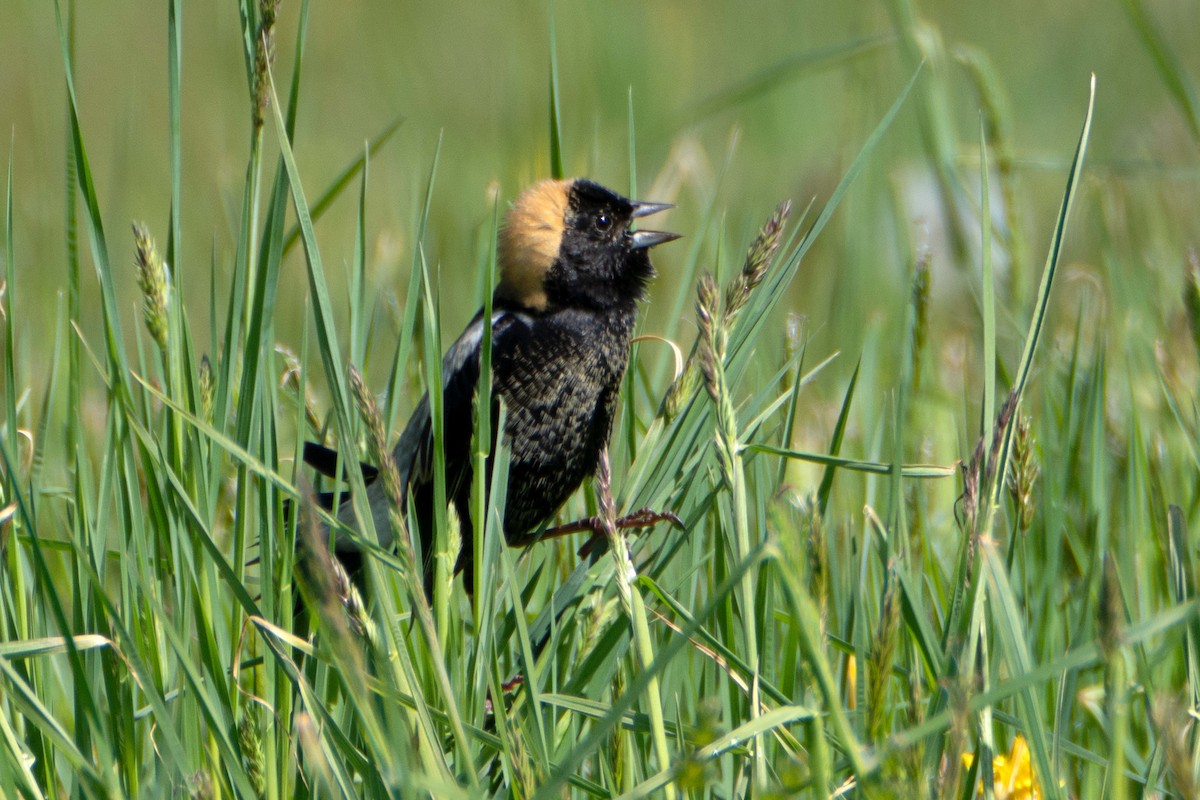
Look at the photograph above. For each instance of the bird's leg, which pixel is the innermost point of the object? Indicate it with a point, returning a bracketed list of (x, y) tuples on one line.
[(508, 687), (642, 518), (647, 517)]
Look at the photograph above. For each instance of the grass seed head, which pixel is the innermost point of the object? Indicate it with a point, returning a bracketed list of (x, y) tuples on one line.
[(290, 379), (681, 391), (154, 283), (264, 57), (208, 389), (710, 352), (758, 259), (250, 742), (1023, 473), (883, 652), (368, 410)]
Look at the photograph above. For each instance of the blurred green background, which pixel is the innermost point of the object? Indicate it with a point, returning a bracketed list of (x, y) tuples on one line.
[(735, 107)]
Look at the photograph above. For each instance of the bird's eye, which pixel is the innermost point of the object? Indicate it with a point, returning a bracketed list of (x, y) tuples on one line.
[(603, 222)]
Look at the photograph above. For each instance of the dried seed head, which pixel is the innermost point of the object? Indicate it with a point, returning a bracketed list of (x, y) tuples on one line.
[(152, 280)]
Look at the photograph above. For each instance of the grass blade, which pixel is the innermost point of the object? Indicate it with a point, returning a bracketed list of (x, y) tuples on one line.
[(556, 156)]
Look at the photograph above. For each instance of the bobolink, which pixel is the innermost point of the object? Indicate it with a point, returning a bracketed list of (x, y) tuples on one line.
[(571, 276)]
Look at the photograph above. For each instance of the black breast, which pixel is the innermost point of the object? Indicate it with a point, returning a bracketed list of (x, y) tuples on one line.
[(560, 384), (560, 375)]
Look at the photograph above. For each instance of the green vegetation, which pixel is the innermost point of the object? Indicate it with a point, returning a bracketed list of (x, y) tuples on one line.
[(932, 429)]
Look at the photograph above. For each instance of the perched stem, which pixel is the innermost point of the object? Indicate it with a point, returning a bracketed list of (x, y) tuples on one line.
[(635, 608), (390, 476), (712, 364)]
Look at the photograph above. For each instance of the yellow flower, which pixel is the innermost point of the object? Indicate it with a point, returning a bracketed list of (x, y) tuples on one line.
[(1012, 774)]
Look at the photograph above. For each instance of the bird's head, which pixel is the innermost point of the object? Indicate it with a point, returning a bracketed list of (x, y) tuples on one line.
[(568, 244)]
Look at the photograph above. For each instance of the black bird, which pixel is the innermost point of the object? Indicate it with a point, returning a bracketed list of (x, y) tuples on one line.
[(571, 276)]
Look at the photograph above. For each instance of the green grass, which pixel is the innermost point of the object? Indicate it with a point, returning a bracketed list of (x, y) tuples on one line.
[(929, 503)]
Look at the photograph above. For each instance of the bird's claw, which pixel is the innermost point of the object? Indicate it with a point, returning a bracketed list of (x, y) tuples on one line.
[(642, 518), (646, 517)]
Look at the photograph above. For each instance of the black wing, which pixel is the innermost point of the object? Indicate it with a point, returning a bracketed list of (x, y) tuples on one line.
[(414, 452), (324, 460)]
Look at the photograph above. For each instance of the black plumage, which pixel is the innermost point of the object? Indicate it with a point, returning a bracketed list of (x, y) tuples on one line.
[(572, 273)]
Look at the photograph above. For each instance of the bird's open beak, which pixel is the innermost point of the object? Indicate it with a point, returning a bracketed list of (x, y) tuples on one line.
[(646, 209), (644, 239)]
